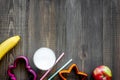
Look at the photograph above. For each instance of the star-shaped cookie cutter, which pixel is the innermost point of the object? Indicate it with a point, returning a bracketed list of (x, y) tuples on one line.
[(28, 68), (73, 66)]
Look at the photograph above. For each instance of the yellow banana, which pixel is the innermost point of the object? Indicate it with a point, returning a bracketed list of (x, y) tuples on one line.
[(8, 45)]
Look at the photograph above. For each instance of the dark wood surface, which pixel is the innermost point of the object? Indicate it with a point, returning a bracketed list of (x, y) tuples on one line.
[(88, 31)]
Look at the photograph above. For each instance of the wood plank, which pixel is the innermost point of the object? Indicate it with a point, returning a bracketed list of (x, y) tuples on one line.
[(92, 12), (3, 34), (116, 34), (107, 33), (18, 13), (41, 27)]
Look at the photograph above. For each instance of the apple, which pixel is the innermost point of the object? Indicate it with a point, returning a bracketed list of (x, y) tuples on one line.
[(102, 73)]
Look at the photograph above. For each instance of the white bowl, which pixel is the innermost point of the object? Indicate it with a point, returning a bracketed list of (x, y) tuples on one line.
[(44, 58)]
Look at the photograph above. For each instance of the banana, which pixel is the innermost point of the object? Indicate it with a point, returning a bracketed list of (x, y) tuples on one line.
[(8, 44)]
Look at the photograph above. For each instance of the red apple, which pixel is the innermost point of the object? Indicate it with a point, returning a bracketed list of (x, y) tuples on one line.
[(102, 73)]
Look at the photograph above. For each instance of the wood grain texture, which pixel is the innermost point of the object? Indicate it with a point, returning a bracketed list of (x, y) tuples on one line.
[(88, 31)]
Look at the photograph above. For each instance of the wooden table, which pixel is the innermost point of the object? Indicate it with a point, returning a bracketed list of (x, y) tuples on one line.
[(88, 31)]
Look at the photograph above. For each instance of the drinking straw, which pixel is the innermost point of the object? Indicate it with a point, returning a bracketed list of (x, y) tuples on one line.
[(60, 69), (51, 68)]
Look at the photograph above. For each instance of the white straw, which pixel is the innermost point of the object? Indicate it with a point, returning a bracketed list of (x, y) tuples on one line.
[(60, 69)]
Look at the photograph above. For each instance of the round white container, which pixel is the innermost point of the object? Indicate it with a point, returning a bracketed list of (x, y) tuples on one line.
[(44, 58)]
